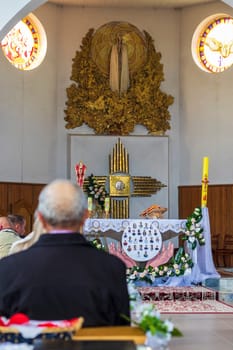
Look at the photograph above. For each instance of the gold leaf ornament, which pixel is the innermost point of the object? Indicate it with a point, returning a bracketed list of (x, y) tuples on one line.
[(91, 101)]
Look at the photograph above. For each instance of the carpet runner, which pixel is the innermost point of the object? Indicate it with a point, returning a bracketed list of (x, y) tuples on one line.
[(176, 293), (184, 300)]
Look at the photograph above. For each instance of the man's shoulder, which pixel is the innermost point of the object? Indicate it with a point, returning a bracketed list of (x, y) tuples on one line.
[(8, 230), (8, 235)]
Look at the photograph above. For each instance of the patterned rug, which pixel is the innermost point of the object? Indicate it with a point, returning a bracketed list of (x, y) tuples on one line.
[(177, 293), (184, 300), (190, 307)]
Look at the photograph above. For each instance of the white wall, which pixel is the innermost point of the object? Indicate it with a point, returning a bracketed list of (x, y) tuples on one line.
[(33, 138), (33, 103), (163, 26), (206, 122), (28, 114)]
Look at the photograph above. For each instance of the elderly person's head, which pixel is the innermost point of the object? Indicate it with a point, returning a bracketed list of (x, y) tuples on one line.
[(5, 223), (18, 223), (62, 205)]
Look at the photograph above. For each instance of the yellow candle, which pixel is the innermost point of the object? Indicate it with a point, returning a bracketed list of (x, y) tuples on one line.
[(89, 203), (205, 174), (106, 204)]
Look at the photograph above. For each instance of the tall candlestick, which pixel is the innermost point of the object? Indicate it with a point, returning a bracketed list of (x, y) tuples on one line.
[(205, 181)]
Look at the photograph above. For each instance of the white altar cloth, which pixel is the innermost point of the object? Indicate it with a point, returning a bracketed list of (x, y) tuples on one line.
[(119, 225)]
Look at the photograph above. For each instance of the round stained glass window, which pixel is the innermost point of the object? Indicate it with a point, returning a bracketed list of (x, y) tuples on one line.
[(25, 45), (212, 43)]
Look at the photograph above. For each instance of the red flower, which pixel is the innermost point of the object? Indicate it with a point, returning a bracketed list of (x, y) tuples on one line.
[(18, 319)]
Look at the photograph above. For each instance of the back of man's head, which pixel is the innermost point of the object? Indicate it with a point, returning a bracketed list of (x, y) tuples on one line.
[(18, 223), (5, 223), (62, 204)]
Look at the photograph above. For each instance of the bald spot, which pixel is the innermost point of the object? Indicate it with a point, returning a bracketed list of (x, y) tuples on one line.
[(4, 222), (62, 193)]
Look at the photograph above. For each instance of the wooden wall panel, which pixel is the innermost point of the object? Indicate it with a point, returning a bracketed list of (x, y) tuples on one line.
[(20, 198), (3, 199), (219, 202)]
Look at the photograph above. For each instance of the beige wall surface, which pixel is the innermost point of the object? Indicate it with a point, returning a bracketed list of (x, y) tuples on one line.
[(206, 122), (33, 138)]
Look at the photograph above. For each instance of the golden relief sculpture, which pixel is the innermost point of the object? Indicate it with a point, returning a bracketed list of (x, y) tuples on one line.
[(117, 76)]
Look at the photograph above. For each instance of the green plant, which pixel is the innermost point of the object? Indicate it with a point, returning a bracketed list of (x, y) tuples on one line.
[(96, 191), (148, 318)]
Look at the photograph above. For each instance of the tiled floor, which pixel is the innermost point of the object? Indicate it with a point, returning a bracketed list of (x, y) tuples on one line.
[(224, 287), (208, 331)]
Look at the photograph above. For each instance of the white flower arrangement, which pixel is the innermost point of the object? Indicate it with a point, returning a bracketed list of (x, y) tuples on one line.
[(148, 318), (96, 191), (194, 231)]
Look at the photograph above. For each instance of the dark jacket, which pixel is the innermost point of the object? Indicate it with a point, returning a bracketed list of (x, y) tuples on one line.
[(63, 276)]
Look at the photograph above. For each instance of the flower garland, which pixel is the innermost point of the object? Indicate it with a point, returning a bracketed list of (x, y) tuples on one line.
[(96, 191), (194, 231), (177, 266), (181, 263)]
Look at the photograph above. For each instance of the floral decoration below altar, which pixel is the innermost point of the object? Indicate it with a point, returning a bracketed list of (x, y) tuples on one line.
[(180, 264)]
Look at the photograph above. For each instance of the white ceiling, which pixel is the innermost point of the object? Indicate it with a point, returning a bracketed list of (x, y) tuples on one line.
[(132, 3)]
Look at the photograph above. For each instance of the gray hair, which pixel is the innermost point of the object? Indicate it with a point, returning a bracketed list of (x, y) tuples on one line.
[(62, 203), (16, 219)]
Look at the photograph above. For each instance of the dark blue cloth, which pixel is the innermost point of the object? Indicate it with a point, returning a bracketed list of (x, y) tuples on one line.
[(63, 276)]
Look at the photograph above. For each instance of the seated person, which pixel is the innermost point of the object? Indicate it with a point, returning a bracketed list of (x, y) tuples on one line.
[(62, 275), (28, 240), (18, 223), (7, 236)]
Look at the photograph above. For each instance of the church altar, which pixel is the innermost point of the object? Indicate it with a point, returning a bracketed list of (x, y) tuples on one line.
[(202, 256)]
